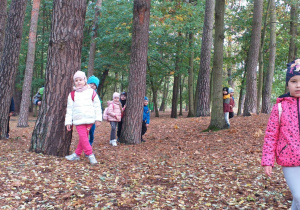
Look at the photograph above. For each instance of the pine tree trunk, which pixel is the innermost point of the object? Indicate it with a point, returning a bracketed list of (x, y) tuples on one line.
[(94, 36), (3, 17), (25, 103), (252, 60), (202, 98), (165, 94), (267, 90), (10, 59), (176, 80), (217, 115), (293, 30), (131, 134), (64, 59), (181, 83), (191, 77), (155, 106)]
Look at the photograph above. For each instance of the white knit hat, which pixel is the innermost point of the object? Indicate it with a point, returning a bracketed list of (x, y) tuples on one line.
[(115, 95), (80, 74)]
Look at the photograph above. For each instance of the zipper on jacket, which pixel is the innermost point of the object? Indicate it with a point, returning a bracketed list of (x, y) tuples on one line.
[(298, 114), (283, 148)]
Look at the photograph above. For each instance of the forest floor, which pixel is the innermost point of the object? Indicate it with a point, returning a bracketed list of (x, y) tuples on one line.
[(178, 167)]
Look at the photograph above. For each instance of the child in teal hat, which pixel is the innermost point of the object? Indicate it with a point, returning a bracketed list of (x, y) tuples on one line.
[(93, 81)]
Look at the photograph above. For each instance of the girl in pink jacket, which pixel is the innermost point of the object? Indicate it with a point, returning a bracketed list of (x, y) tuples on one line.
[(114, 116), (282, 138)]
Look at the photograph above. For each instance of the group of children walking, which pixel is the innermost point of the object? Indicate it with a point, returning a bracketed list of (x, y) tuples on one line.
[(85, 113)]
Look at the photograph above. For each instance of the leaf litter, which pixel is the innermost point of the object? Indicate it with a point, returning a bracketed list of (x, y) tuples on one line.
[(178, 167)]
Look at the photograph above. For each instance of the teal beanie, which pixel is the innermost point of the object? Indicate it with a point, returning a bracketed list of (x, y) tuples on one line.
[(93, 79)]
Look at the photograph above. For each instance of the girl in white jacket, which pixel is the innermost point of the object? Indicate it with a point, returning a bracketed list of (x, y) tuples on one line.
[(83, 110)]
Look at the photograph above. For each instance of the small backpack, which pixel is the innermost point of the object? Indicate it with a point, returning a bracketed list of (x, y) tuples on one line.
[(73, 95)]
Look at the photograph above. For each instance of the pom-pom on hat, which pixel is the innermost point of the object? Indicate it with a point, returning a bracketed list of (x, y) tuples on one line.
[(293, 69), (146, 99), (116, 95), (93, 79), (79, 74)]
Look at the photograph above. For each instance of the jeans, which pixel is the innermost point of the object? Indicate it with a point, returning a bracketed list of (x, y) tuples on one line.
[(83, 143), (292, 177), (113, 130), (92, 131), (226, 116)]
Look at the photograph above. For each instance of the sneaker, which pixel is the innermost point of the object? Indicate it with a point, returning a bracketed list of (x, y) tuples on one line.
[(113, 142), (73, 157), (92, 159)]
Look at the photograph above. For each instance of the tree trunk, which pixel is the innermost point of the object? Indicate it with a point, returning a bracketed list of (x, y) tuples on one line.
[(10, 59), (217, 115), (181, 84), (64, 59), (3, 17), (267, 90), (155, 106), (25, 103), (165, 94), (252, 60), (242, 94), (191, 77), (132, 122), (293, 30), (94, 36), (261, 62), (202, 98), (176, 80), (102, 80)]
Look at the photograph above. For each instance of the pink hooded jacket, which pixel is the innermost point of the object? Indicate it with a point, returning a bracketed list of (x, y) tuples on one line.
[(282, 139), (114, 111)]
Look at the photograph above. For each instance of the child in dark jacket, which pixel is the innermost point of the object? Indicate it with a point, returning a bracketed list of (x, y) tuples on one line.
[(282, 135), (226, 105), (123, 98), (146, 118)]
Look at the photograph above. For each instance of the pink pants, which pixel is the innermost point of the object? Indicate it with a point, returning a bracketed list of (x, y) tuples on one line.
[(83, 143)]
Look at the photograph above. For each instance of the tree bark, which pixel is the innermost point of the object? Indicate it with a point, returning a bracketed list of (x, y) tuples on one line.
[(181, 84), (165, 94), (293, 30), (3, 17), (176, 82), (132, 123), (64, 59), (267, 90), (261, 61), (202, 98), (10, 59), (94, 36), (25, 103), (252, 60), (191, 77), (217, 115)]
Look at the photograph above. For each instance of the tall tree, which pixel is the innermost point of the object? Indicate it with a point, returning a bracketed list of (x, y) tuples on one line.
[(191, 76), (64, 59), (202, 98), (3, 17), (10, 59), (217, 116), (176, 79), (267, 90), (261, 62), (250, 105), (132, 123), (23, 119), (93, 40), (293, 30)]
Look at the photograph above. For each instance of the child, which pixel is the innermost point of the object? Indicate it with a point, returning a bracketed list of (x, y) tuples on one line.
[(37, 99), (114, 116), (283, 136), (226, 106), (123, 98), (83, 110), (231, 103), (94, 83), (11, 112), (146, 118)]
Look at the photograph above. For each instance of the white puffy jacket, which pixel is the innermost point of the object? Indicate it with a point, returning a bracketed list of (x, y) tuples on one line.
[(83, 110)]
